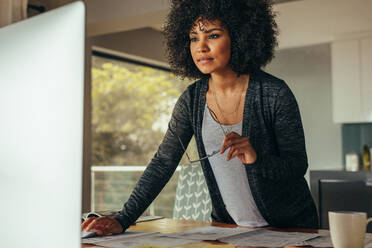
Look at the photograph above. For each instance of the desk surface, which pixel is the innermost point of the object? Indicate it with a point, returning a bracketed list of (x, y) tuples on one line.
[(171, 225)]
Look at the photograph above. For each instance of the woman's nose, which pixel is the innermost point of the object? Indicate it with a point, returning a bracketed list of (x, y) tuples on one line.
[(203, 46)]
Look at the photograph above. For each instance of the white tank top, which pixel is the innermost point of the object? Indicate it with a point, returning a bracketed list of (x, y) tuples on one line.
[(230, 175)]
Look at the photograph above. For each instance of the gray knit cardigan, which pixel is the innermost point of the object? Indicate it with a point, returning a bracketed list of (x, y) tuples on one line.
[(272, 122)]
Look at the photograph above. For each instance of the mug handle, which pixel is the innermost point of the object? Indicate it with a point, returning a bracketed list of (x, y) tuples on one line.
[(369, 220)]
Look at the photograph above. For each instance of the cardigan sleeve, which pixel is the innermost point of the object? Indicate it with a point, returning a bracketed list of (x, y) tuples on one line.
[(291, 160), (162, 165)]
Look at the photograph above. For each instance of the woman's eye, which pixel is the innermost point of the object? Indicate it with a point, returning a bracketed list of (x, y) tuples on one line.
[(192, 39), (214, 36)]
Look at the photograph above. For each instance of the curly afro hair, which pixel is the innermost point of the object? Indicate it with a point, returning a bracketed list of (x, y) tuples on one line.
[(250, 23)]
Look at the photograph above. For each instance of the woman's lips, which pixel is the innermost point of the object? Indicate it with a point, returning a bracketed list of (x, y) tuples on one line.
[(205, 60)]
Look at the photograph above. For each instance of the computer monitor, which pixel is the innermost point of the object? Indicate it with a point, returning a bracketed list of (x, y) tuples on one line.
[(41, 129)]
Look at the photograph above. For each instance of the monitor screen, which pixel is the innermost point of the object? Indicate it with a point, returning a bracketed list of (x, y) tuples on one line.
[(41, 129)]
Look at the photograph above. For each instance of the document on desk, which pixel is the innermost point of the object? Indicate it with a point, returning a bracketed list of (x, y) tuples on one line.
[(124, 236), (210, 233), (135, 239), (267, 238), (156, 239), (324, 240), (368, 241)]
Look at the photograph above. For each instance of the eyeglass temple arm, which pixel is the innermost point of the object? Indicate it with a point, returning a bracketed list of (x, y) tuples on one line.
[(216, 118), (187, 155), (179, 139)]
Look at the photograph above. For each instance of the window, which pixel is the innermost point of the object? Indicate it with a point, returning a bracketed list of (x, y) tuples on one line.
[(131, 106)]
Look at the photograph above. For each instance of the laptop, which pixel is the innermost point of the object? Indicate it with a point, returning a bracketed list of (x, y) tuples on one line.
[(41, 129)]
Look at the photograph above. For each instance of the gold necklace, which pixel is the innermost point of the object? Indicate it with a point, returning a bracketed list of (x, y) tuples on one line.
[(237, 105)]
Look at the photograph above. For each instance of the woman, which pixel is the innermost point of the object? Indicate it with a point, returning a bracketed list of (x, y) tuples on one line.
[(250, 117)]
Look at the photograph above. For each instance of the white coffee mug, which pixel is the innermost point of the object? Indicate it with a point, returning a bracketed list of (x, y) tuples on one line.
[(348, 228)]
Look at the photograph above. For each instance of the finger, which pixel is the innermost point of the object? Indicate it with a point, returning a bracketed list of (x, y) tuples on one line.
[(240, 142), (232, 149), (224, 146), (236, 152), (97, 225), (92, 225), (229, 142), (87, 222), (229, 154), (246, 154), (104, 220), (238, 147), (242, 145)]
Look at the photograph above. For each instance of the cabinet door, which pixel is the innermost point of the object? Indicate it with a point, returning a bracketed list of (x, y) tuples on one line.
[(366, 58), (346, 86)]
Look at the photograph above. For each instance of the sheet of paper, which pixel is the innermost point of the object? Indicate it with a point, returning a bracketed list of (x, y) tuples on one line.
[(209, 233), (369, 245), (150, 240), (124, 236), (267, 238), (368, 240), (324, 240)]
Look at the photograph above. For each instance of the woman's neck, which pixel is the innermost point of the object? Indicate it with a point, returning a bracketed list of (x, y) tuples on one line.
[(227, 82), (226, 95)]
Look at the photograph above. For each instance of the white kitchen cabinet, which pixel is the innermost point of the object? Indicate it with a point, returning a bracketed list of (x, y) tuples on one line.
[(366, 79), (352, 80)]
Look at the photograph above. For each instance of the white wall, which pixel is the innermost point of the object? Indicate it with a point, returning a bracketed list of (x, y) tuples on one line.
[(307, 71)]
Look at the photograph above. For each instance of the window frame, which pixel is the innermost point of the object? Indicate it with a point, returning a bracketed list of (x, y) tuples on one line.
[(87, 148)]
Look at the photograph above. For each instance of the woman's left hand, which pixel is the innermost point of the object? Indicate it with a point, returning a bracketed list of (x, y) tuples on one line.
[(240, 147)]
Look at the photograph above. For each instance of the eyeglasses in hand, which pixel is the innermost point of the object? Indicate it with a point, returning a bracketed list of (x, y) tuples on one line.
[(208, 155)]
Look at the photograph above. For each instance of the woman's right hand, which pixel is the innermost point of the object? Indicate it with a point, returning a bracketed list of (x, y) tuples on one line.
[(103, 226)]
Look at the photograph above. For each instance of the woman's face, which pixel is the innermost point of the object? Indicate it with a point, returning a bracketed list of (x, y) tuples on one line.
[(210, 46)]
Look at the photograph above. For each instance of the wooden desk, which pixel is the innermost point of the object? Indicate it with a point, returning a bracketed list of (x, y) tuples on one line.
[(170, 225)]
